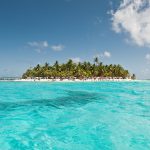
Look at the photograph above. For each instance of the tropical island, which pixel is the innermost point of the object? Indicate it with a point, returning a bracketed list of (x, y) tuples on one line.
[(81, 71)]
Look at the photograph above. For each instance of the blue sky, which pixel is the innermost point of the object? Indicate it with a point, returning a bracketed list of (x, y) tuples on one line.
[(39, 31)]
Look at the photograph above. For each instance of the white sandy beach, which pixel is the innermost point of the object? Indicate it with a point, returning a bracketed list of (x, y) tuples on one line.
[(72, 80)]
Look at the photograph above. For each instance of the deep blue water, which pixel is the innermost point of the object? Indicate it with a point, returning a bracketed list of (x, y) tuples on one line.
[(75, 116)]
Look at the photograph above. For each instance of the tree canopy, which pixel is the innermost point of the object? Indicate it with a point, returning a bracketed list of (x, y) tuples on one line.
[(71, 69)]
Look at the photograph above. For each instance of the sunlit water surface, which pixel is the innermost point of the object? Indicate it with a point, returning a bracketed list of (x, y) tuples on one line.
[(75, 116)]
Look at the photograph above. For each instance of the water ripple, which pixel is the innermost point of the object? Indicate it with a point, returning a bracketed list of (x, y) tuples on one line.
[(75, 116)]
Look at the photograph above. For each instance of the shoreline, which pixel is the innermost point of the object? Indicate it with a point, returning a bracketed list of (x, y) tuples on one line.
[(70, 81)]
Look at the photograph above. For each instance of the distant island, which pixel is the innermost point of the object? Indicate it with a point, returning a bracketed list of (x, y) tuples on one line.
[(72, 70)]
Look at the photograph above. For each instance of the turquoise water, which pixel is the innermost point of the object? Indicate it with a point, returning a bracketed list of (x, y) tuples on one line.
[(75, 116)]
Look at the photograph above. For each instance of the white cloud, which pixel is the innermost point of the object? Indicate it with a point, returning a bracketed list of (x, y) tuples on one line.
[(45, 44), (59, 47), (38, 46), (107, 54), (76, 60), (132, 17), (147, 57)]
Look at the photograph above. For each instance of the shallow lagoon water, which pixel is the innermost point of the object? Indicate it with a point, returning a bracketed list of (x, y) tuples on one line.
[(75, 116)]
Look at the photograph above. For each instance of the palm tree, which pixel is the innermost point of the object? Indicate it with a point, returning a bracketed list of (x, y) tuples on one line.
[(69, 64), (133, 77), (46, 65), (96, 60), (56, 65), (37, 67)]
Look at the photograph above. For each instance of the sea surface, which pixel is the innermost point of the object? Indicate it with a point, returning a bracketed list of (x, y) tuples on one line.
[(75, 116)]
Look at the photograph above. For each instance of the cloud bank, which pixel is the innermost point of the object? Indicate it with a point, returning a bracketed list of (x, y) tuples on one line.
[(105, 54), (132, 17), (38, 46), (59, 47)]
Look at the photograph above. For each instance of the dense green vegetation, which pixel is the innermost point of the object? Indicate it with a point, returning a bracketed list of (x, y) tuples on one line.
[(78, 70)]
